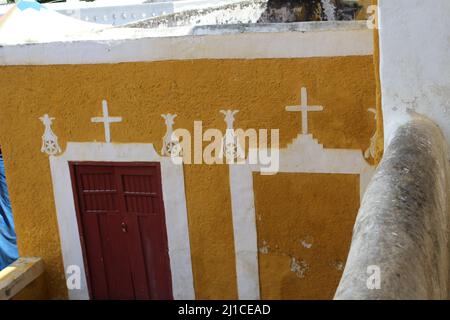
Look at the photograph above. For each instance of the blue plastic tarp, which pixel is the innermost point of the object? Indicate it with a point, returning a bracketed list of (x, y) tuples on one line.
[(8, 244)]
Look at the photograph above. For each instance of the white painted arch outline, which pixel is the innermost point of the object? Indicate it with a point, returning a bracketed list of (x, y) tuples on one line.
[(172, 178), (303, 155)]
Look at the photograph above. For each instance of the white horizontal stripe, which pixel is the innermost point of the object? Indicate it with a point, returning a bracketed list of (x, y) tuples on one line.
[(293, 40)]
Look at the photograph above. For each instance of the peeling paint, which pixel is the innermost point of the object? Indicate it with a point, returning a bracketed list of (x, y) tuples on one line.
[(307, 242), (265, 248), (299, 267), (291, 270), (339, 265)]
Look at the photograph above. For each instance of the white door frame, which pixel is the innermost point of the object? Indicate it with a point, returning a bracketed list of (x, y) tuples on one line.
[(172, 179)]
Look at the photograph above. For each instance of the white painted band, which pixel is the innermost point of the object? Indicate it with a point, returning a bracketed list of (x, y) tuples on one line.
[(295, 40)]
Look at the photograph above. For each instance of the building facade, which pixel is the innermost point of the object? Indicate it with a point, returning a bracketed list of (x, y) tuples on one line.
[(123, 180)]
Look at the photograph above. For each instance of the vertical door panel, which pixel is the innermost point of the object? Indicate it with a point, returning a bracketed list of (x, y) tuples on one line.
[(141, 188)]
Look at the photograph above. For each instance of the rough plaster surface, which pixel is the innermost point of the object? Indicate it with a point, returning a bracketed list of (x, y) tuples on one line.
[(303, 236), (195, 90), (303, 155), (402, 226)]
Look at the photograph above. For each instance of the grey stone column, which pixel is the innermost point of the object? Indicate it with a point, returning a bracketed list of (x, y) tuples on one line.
[(402, 226)]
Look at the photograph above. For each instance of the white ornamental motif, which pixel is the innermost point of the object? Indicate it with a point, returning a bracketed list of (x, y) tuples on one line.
[(106, 120), (230, 144), (171, 145), (49, 139), (304, 109)]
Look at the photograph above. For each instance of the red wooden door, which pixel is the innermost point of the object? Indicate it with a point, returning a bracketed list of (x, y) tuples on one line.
[(122, 228)]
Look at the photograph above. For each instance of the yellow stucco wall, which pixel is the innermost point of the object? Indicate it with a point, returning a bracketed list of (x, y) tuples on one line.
[(195, 90), (376, 58), (304, 234)]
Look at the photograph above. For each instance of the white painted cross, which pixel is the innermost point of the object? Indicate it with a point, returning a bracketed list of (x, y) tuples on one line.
[(107, 120), (304, 108)]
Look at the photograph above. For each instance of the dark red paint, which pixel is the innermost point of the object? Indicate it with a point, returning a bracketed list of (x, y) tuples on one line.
[(123, 230)]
